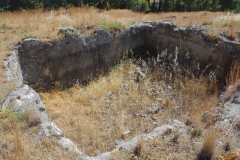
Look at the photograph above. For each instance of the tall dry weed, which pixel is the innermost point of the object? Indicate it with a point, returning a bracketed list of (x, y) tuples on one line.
[(208, 146), (234, 74)]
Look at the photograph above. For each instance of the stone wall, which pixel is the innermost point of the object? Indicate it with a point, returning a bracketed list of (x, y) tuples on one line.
[(73, 59)]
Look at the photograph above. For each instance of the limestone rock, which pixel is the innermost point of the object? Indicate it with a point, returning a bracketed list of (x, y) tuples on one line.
[(12, 69), (24, 99), (51, 129), (125, 133), (153, 109), (68, 144)]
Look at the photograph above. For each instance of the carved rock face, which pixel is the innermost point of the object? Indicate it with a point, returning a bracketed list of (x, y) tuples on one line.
[(72, 59)]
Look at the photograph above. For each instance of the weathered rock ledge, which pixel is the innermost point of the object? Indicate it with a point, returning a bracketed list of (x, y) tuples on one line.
[(74, 58)]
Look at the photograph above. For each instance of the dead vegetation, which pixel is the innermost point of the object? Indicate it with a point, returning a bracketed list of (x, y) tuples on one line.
[(233, 82), (208, 146), (18, 140), (94, 116)]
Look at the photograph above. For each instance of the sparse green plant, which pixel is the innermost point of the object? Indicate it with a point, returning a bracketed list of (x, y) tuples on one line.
[(12, 116), (25, 82), (111, 25), (19, 116), (76, 33), (25, 35), (204, 13), (3, 27)]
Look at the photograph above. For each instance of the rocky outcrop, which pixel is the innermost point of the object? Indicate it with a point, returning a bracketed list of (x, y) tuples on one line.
[(26, 101), (226, 115), (176, 125), (12, 68), (75, 58), (195, 46)]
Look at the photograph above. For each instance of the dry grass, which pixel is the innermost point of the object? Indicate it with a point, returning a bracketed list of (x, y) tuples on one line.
[(18, 141), (234, 74), (163, 148), (208, 146), (32, 118), (95, 115), (232, 81)]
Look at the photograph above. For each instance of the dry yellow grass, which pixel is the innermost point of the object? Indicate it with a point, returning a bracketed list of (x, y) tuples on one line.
[(94, 116), (208, 146), (18, 141)]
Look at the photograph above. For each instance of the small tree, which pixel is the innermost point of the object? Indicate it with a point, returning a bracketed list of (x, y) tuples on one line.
[(140, 5), (215, 5), (190, 5), (206, 5), (179, 5), (143, 6), (153, 6), (167, 5), (30, 4), (160, 4), (54, 4), (228, 4)]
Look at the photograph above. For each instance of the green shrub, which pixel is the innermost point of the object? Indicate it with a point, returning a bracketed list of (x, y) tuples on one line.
[(111, 25), (140, 6)]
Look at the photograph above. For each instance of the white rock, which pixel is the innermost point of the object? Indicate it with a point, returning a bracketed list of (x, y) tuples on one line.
[(68, 145), (50, 129)]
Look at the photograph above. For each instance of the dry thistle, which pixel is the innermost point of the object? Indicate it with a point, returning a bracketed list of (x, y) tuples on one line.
[(138, 148), (234, 74), (32, 118), (231, 35), (227, 146), (208, 146), (175, 138), (168, 131), (230, 92), (189, 122)]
